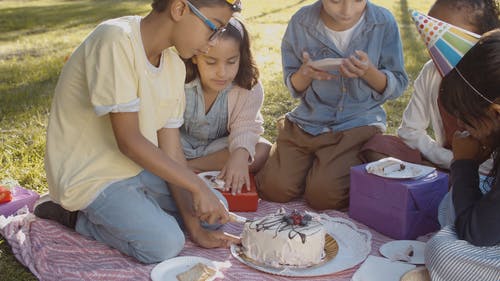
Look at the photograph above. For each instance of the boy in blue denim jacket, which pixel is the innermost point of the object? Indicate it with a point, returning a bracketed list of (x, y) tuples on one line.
[(320, 139)]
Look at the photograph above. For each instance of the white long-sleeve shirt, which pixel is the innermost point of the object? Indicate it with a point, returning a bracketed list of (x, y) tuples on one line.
[(422, 110)]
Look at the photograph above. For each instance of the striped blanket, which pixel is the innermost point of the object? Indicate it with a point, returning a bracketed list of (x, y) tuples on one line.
[(54, 252)]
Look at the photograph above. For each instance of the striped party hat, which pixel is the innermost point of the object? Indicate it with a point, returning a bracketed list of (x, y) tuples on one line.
[(447, 44)]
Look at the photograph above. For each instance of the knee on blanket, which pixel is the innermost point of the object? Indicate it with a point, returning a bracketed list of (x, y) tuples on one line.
[(159, 247)]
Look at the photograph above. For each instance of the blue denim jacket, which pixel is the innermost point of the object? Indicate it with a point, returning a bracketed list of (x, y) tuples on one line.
[(343, 103)]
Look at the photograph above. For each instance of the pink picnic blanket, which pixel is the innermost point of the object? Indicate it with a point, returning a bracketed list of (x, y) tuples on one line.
[(54, 252)]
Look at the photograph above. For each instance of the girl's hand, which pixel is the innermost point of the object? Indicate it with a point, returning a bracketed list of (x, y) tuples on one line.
[(465, 146), (310, 72), (235, 172), (353, 67)]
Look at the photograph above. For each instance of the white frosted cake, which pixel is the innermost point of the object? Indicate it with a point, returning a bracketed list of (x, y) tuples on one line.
[(284, 239)]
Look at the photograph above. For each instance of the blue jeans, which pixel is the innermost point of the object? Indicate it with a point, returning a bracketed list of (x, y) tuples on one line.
[(139, 217)]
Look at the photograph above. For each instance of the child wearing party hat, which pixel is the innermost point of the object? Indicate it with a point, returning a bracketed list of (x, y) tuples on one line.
[(470, 248), (451, 26)]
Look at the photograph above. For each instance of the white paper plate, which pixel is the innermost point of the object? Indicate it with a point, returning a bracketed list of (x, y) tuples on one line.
[(411, 171), (392, 249), (207, 176), (328, 64), (169, 269), (381, 269), (354, 246)]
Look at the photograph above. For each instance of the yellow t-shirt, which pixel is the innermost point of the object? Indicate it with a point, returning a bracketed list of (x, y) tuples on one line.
[(108, 72)]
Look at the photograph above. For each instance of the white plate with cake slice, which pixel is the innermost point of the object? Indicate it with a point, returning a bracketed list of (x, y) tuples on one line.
[(410, 251), (393, 168), (345, 247), (186, 265)]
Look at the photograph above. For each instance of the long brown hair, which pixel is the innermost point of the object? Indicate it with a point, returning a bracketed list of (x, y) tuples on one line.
[(481, 68), (248, 73)]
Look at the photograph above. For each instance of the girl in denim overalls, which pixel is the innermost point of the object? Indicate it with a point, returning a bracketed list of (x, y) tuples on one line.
[(222, 121), (320, 139)]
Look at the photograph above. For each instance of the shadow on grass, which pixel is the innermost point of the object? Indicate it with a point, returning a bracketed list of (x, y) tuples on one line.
[(18, 21), (11, 269)]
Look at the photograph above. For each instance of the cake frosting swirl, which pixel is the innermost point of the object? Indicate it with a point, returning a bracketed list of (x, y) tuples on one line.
[(280, 239)]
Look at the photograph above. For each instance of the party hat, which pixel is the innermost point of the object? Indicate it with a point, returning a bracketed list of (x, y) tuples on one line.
[(447, 44)]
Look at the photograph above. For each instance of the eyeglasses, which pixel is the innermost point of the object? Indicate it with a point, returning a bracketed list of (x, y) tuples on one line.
[(217, 31)]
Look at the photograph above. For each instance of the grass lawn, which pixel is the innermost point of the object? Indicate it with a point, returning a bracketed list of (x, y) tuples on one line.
[(37, 35)]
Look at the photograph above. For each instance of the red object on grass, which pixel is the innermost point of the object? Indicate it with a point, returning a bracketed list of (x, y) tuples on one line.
[(5, 195), (246, 201)]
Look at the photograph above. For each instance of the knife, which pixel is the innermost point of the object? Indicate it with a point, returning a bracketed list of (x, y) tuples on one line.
[(237, 218)]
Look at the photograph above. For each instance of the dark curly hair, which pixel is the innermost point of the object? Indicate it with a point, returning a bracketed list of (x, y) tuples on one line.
[(248, 73), (483, 14), (481, 67)]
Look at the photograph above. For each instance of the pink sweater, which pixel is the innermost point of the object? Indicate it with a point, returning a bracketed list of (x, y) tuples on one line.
[(244, 118)]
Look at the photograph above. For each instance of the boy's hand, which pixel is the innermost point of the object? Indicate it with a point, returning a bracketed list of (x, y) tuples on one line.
[(310, 72), (235, 172), (208, 207), (354, 67)]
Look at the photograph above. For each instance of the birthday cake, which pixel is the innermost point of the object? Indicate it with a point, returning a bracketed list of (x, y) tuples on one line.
[(283, 239)]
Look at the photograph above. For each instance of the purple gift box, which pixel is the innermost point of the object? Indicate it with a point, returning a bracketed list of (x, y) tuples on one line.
[(398, 208), (20, 197)]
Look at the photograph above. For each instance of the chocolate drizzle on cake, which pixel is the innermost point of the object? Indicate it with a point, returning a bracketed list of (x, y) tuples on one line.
[(295, 224)]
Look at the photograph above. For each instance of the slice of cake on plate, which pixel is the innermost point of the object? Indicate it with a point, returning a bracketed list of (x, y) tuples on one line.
[(199, 272)]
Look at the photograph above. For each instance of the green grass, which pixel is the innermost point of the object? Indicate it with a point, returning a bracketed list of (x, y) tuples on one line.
[(36, 36)]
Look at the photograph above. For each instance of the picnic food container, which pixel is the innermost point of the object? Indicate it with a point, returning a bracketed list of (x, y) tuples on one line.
[(246, 201), (5, 194), (20, 197), (398, 208)]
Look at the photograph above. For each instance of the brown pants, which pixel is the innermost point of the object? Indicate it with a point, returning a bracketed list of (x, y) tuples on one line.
[(316, 167)]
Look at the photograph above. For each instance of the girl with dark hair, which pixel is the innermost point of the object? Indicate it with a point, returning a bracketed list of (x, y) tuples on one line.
[(470, 93), (223, 123)]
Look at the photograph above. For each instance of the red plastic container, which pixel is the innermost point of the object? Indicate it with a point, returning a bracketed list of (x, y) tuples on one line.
[(20, 197), (246, 201)]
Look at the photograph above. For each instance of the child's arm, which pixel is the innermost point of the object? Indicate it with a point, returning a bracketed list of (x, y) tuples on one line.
[(298, 75), (390, 64), (245, 128), (417, 118), (477, 214), (304, 76), (235, 172), (135, 146), (363, 68)]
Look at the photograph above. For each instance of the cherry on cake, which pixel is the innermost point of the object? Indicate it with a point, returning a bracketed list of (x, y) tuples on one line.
[(281, 239)]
